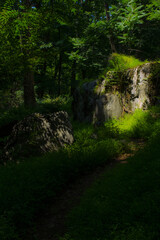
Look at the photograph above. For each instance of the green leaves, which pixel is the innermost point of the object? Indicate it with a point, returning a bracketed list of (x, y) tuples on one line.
[(129, 18), (154, 10)]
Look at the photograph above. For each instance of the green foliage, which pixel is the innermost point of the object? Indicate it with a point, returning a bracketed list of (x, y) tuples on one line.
[(154, 10), (40, 179), (90, 144), (7, 230), (61, 103), (10, 99), (48, 37), (130, 17), (91, 50), (124, 203), (72, 42), (47, 105)]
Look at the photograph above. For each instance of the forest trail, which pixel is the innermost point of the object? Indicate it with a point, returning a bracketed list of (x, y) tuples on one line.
[(51, 223)]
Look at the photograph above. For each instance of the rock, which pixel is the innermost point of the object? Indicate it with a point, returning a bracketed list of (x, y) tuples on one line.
[(38, 134), (94, 104), (99, 101), (144, 88), (84, 101), (108, 106)]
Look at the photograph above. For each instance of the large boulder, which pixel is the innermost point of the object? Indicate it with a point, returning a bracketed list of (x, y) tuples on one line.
[(143, 89), (109, 98), (107, 106), (84, 101), (38, 134)]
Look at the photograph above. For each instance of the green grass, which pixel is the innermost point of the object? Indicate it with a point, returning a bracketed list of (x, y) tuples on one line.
[(120, 62), (25, 187), (140, 124), (124, 203)]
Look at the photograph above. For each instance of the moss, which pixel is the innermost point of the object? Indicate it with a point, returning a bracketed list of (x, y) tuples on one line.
[(120, 62), (117, 70), (96, 88)]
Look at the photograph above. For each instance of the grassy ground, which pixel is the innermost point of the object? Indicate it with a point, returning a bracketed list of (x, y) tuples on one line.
[(24, 188), (124, 203)]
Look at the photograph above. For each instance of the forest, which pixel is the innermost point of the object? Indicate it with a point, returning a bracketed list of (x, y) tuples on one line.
[(79, 119)]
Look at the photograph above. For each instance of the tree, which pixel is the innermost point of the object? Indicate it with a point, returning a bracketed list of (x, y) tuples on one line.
[(128, 19), (19, 28), (54, 44)]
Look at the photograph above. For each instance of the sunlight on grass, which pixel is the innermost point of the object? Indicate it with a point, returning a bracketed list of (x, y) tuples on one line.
[(136, 125), (120, 62)]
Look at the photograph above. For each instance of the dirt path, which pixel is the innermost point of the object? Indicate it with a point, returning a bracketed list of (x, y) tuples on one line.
[(51, 223)]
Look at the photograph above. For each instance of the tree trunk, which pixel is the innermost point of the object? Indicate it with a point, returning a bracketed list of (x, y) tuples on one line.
[(28, 83), (29, 94), (59, 74), (73, 78), (111, 40)]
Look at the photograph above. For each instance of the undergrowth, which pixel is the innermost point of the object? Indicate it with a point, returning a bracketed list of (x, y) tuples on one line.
[(124, 203), (47, 105), (25, 188)]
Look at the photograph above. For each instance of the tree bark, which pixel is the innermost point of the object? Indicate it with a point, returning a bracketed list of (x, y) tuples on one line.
[(29, 94), (111, 40), (28, 83), (59, 74), (73, 78)]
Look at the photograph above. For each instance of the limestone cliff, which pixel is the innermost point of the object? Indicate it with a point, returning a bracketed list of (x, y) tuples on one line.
[(117, 93)]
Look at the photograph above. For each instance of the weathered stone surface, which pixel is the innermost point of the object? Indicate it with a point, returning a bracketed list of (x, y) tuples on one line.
[(84, 102), (99, 101), (144, 88), (38, 134), (107, 106)]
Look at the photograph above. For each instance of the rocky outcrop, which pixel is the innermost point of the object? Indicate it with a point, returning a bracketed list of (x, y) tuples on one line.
[(144, 88), (38, 134), (119, 92)]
